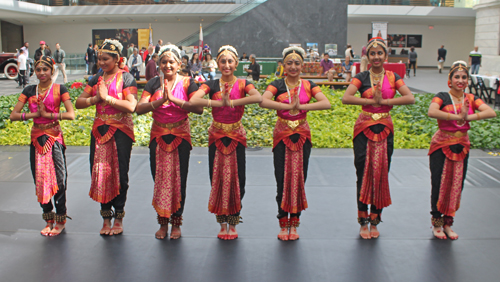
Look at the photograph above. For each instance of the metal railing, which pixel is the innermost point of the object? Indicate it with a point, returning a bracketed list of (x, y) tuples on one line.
[(435, 3), (129, 2)]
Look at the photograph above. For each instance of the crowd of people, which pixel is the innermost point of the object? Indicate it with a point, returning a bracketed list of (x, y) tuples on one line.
[(171, 96)]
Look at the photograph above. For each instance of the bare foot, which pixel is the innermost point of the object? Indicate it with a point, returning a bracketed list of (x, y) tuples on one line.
[(57, 229), (451, 234), (223, 231), (293, 234), (162, 232), (283, 235), (176, 232), (106, 227), (117, 227), (364, 232), (47, 229), (438, 232), (232, 233), (374, 231)]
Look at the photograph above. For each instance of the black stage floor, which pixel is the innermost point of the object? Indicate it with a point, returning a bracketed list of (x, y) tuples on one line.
[(329, 248)]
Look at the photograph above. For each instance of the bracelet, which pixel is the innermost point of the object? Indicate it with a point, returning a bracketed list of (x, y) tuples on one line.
[(23, 116), (448, 116), (231, 103), (113, 101), (152, 106), (209, 103), (51, 116), (56, 115), (478, 116), (60, 116), (88, 101), (182, 105)]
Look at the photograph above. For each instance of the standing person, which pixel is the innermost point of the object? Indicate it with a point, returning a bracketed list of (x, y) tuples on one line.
[(59, 56), (244, 57), (114, 92), (475, 60), (42, 51), (209, 65), (21, 66), (29, 61), (167, 96), (363, 66), (348, 52), (327, 66), (152, 68), (373, 138), (134, 64), (290, 97), (130, 50), (227, 139), (148, 54), (90, 54), (412, 60), (194, 65), (158, 46), (254, 68), (450, 146), (47, 149), (441, 58)]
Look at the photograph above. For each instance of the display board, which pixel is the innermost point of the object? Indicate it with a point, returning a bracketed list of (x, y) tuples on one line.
[(125, 36)]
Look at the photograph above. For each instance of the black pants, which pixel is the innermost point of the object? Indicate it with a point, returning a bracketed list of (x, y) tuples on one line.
[(22, 78), (279, 169), (240, 158), (436, 164), (359, 146), (184, 150), (59, 158), (135, 73), (124, 148), (414, 64)]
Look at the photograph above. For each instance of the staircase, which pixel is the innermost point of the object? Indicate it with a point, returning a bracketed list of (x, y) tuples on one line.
[(193, 38)]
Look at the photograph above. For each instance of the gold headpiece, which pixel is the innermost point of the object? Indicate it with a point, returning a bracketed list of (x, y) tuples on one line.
[(375, 42), (111, 46), (458, 66), (170, 50), (293, 56), (294, 52), (228, 50)]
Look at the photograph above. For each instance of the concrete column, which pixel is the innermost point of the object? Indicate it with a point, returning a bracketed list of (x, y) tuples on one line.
[(488, 35)]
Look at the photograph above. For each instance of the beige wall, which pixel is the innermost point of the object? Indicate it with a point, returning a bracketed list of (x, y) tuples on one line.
[(458, 40), (74, 38)]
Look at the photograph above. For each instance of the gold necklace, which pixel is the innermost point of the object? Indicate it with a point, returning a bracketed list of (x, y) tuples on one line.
[(458, 98), (42, 90), (221, 81), (290, 85)]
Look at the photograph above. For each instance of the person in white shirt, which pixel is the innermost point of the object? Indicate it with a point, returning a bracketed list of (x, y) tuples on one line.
[(134, 64), (21, 65), (59, 56)]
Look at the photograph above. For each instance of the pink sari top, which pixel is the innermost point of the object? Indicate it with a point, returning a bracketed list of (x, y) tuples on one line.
[(391, 83), (227, 115), (307, 90), (445, 104), (169, 112)]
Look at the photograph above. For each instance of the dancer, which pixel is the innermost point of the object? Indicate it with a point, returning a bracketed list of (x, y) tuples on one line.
[(292, 138), (167, 96), (227, 140), (47, 148), (114, 92), (449, 151), (373, 138)]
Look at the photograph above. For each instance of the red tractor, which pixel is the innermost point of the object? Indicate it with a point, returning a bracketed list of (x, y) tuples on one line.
[(8, 66)]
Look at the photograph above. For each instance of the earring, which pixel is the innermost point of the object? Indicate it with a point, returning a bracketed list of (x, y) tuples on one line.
[(449, 84)]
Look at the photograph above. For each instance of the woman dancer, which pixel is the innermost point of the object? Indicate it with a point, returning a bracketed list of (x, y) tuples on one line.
[(449, 151), (373, 138), (167, 96), (47, 149), (227, 140), (292, 138), (114, 92)]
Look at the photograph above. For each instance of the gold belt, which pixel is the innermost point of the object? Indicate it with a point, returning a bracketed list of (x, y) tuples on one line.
[(169, 125), (376, 116), (43, 126), (455, 134), (227, 127), (115, 116), (292, 123)]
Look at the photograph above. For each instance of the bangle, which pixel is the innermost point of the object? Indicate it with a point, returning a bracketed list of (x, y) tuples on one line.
[(231, 103), (51, 116), (152, 106), (88, 101), (182, 105), (55, 116), (209, 103), (448, 116), (23, 116), (60, 116), (478, 116), (113, 101)]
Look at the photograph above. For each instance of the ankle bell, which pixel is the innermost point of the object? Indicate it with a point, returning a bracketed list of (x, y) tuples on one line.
[(437, 221), (162, 220), (284, 222), (294, 222), (234, 219), (176, 220), (363, 220), (48, 216)]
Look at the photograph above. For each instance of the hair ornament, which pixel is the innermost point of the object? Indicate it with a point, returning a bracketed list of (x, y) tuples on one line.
[(375, 42), (227, 50), (46, 60), (111, 46), (168, 50), (294, 50)]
